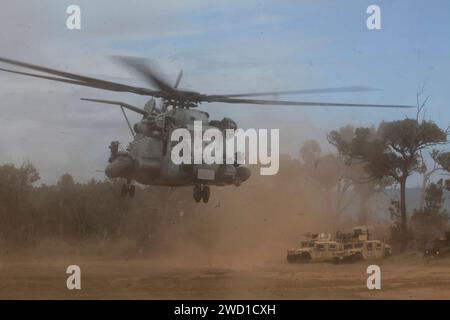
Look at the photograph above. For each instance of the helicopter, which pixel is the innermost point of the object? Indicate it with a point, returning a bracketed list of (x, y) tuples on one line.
[(147, 158)]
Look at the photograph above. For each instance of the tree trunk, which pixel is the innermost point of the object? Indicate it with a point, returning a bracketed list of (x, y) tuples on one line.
[(403, 221)]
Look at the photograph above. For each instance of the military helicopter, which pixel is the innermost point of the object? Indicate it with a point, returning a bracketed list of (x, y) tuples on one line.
[(147, 158)]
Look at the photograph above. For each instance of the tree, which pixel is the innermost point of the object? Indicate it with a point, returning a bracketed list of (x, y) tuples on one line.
[(393, 151), (441, 162), (366, 189), (15, 205), (431, 220), (363, 186), (443, 159), (331, 175), (310, 152)]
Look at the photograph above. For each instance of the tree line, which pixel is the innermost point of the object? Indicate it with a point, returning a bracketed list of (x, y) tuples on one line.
[(75, 212)]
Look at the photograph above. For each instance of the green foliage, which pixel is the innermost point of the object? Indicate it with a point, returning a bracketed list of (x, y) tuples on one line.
[(394, 212), (443, 159), (396, 232), (15, 187), (76, 212), (431, 221), (391, 150)]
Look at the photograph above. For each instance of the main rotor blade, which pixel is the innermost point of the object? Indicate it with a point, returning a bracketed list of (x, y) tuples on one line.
[(169, 92), (303, 103), (87, 81), (79, 83), (304, 91), (140, 66), (118, 103), (44, 77)]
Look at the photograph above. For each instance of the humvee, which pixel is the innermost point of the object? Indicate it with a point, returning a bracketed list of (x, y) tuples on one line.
[(440, 248), (357, 246), (345, 247), (364, 250), (319, 248)]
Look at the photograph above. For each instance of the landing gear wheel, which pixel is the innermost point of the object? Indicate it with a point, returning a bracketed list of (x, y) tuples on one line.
[(205, 194), (197, 193), (131, 191)]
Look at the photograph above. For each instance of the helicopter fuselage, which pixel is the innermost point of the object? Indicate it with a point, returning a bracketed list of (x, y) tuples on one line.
[(147, 159)]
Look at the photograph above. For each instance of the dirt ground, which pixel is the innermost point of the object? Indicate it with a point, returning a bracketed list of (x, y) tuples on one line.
[(139, 278)]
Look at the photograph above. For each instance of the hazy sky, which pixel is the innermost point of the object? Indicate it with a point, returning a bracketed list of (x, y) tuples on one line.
[(226, 47)]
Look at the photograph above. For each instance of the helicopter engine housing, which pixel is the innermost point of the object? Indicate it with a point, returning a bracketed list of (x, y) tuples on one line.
[(121, 166)]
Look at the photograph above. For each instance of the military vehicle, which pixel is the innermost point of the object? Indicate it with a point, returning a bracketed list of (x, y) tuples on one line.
[(358, 246), (440, 248), (319, 248), (147, 160), (343, 247), (365, 250)]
